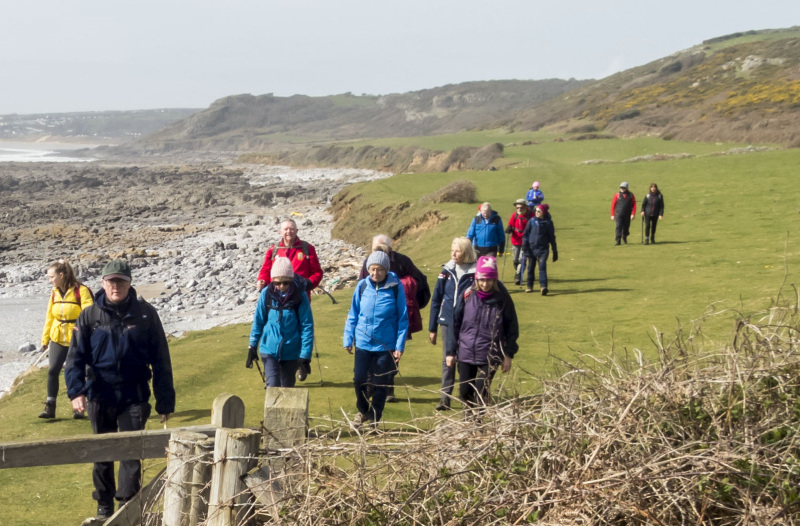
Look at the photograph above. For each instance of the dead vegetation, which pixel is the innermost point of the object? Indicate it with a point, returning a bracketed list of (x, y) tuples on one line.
[(692, 437)]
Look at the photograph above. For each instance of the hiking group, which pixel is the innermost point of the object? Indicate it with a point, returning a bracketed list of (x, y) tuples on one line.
[(113, 344)]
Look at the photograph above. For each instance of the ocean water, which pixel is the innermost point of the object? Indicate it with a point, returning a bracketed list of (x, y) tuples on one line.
[(32, 152)]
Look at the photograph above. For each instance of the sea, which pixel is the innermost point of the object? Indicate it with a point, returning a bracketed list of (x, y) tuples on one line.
[(49, 152)]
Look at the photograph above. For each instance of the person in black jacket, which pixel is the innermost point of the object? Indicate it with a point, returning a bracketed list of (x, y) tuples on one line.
[(538, 237), (623, 208), (652, 211), (122, 343)]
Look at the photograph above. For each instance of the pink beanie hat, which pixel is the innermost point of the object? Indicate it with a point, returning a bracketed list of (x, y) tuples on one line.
[(487, 268), (281, 268)]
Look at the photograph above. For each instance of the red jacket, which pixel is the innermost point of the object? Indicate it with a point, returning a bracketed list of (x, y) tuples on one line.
[(308, 267), (517, 226)]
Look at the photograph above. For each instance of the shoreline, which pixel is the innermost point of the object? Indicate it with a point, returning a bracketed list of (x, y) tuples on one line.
[(201, 279)]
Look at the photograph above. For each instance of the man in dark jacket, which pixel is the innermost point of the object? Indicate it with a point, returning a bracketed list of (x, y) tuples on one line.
[(121, 341), (486, 232), (623, 208), (538, 238)]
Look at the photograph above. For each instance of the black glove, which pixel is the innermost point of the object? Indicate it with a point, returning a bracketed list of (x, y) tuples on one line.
[(509, 229), (303, 369), (252, 355), (555, 256)]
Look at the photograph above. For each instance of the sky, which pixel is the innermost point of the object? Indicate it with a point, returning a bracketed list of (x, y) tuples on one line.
[(94, 55)]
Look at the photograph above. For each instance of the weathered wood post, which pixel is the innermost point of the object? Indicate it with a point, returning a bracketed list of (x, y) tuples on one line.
[(235, 453), (181, 461), (201, 480)]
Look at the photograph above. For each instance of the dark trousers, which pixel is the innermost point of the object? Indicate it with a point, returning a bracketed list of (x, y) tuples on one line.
[(57, 355), (650, 223), (623, 229), (474, 383), (486, 251), (279, 373), (110, 419), (541, 259), (448, 373), (382, 366)]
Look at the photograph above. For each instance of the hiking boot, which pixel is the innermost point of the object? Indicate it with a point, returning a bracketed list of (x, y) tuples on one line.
[(444, 404), (361, 420), (528, 290), (49, 410), (390, 395), (103, 514), (646, 241), (624, 240), (617, 242), (78, 415), (653, 240), (544, 291)]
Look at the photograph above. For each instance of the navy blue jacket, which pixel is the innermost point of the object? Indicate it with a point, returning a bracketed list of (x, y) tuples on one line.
[(445, 293), (487, 232), (120, 352), (539, 235)]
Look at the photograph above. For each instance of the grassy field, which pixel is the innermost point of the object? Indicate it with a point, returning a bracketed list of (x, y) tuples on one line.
[(726, 245)]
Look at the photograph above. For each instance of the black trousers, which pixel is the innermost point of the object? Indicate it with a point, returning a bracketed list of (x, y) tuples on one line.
[(57, 355), (650, 223), (110, 419), (623, 229), (474, 385)]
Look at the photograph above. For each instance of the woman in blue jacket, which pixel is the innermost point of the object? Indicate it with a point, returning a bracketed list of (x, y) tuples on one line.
[(456, 277), (283, 326), (377, 326)]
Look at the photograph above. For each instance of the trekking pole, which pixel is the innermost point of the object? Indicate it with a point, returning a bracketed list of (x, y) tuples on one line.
[(329, 295), (319, 364), (503, 274), (642, 230)]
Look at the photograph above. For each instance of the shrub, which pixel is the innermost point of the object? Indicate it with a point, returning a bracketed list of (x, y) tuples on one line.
[(461, 191), (627, 114)]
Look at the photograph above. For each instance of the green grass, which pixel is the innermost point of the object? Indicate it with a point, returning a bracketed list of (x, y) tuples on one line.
[(728, 239)]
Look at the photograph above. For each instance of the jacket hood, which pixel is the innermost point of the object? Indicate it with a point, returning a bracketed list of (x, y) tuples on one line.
[(493, 215), (451, 265)]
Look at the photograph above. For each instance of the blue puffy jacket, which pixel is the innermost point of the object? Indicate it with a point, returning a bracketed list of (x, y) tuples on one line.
[(487, 232), (445, 293), (120, 350), (378, 317), (283, 331)]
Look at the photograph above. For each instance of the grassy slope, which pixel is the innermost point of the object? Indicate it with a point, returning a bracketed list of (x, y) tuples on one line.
[(723, 241)]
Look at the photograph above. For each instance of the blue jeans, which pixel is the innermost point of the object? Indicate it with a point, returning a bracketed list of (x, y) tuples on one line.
[(541, 259), (279, 373), (382, 365)]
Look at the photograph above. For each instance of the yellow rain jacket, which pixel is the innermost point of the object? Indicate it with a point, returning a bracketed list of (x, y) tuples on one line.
[(62, 313)]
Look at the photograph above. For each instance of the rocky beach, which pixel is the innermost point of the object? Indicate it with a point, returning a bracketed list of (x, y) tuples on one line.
[(195, 235)]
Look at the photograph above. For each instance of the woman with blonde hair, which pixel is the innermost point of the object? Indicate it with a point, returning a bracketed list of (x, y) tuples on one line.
[(68, 299), (457, 276)]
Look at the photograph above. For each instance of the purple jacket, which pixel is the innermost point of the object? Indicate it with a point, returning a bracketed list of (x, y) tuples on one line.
[(484, 331)]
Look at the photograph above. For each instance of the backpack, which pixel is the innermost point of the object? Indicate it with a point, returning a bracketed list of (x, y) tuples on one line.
[(77, 294), (303, 247), (364, 286)]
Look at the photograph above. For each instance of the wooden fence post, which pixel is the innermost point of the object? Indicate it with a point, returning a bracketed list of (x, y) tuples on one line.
[(235, 453), (201, 480), (178, 486)]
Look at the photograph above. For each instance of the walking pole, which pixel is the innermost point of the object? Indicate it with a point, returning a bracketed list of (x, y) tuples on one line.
[(503, 275), (319, 364), (642, 230)]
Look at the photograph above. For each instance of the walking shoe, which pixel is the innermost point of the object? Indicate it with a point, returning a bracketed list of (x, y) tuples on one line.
[(625, 240), (516, 281), (646, 241), (528, 290), (653, 240), (49, 410), (360, 420), (390, 395), (617, 243), (444, 404), (78, 415), (544, 291)]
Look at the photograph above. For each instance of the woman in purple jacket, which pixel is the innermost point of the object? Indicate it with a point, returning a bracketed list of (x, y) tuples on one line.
[(485, 332)]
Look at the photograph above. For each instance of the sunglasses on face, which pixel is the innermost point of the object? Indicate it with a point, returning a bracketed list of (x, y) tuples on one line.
[(281, 283)]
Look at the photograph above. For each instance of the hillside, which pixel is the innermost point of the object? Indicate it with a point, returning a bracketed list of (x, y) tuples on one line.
[(741, 87), (89, 126), (257, 123)]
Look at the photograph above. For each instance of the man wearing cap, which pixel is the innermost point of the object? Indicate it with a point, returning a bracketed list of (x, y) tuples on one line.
[(516, 226), (121, 342), (623, 208), (534, 197)]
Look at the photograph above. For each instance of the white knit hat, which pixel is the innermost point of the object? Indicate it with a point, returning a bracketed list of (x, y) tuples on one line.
[(281, 268)]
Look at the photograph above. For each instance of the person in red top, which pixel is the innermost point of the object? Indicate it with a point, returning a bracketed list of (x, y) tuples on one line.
[(623, 208), (303, 256), (516, 226)]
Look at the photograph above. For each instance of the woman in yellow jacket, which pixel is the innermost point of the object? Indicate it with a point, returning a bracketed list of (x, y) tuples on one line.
[(68, 299)]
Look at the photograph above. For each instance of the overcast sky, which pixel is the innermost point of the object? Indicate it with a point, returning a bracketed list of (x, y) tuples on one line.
[(82, 55)]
